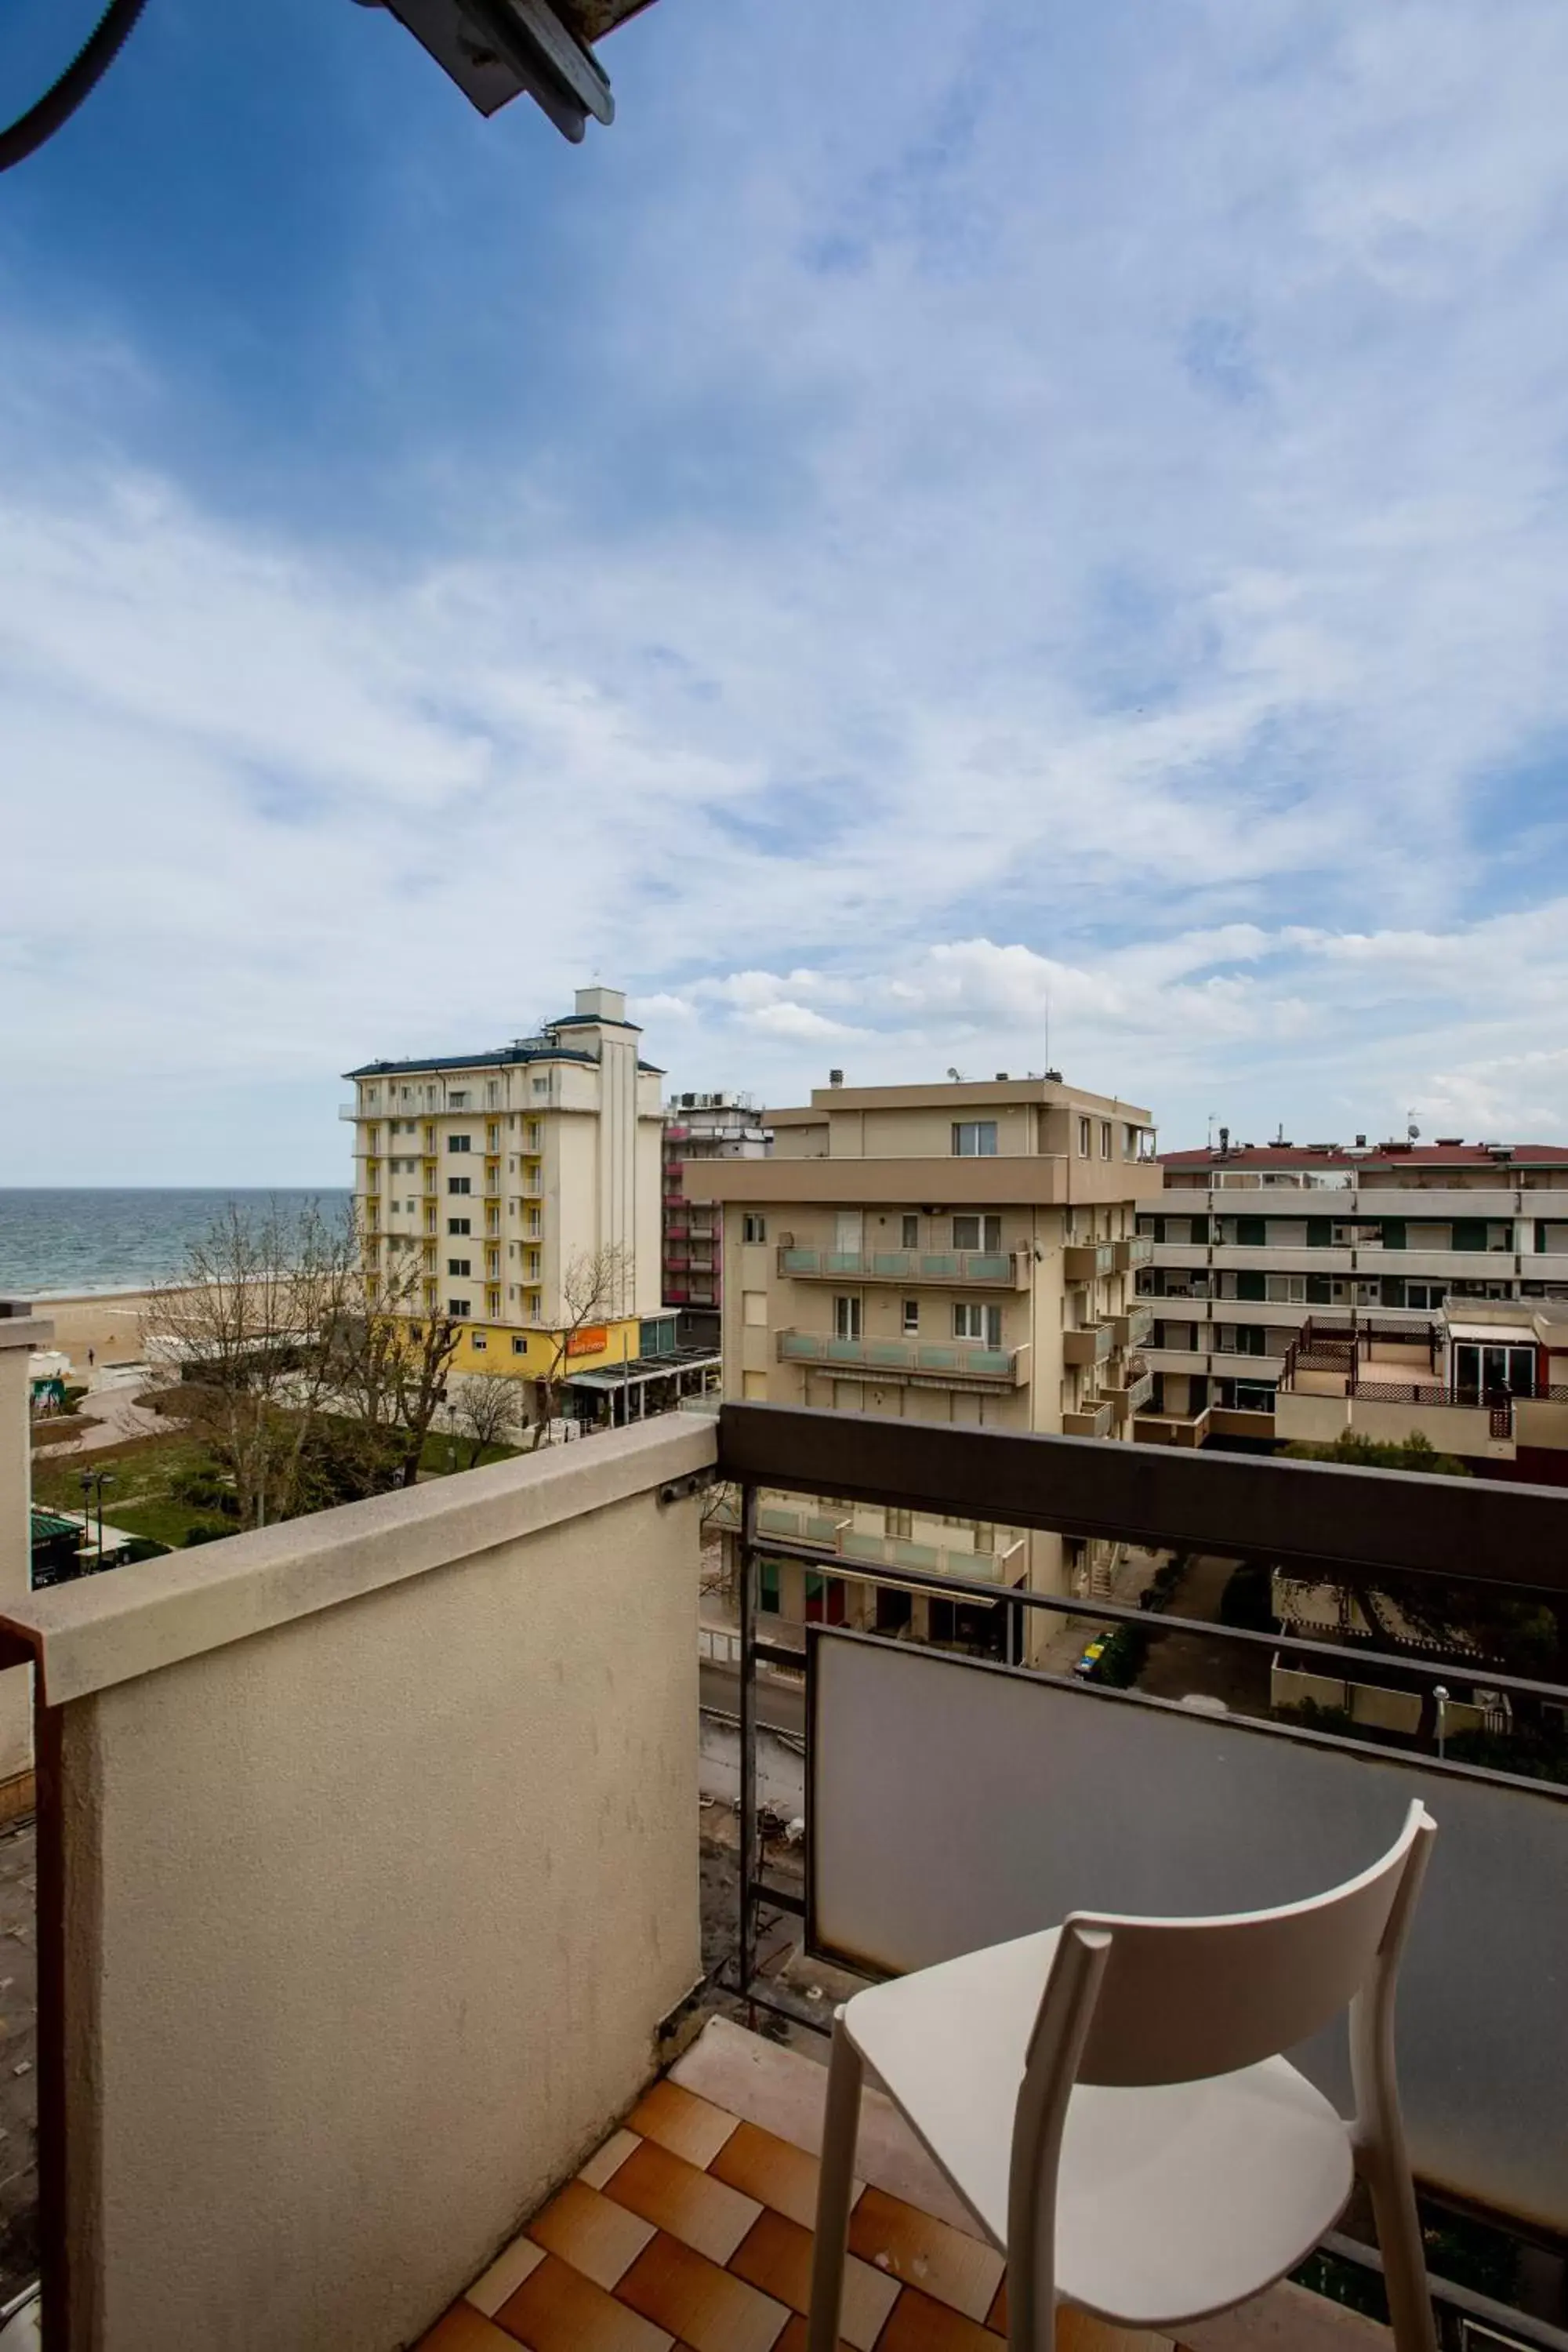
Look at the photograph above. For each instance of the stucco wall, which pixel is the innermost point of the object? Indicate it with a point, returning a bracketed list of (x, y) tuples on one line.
[(370, 1916)]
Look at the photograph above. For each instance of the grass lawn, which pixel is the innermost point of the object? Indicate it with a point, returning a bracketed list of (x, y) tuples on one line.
[(441, 1453), (140, 1499)]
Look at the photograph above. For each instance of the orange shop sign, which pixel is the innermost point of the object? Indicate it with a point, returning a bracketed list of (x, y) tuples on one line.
[(591, 1340)]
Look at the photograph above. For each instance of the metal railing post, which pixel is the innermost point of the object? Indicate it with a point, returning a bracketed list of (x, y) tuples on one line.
[(748, 1819)]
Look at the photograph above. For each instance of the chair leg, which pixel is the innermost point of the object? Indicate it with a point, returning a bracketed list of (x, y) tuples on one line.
[(834, 2187), (1387, 2177)]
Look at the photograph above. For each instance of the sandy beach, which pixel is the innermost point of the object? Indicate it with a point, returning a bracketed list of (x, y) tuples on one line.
[(109, 1322)]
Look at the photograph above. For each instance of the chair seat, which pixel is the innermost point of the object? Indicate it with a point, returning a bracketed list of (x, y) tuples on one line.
[(1172, 2202)]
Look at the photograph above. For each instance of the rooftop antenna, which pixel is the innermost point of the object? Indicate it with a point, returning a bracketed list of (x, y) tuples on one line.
[(1213, 1115)]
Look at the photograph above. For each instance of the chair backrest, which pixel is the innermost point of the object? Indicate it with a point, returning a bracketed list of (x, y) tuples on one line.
[(1178, 2000)]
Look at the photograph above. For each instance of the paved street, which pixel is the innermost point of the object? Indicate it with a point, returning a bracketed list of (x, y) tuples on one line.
[(780, 1706)]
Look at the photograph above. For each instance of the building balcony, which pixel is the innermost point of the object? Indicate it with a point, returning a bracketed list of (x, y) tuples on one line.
[(1089, 1346), (1088, 1261), (943, 1362), (1090, 1420), (486, 1690), (1131, 1329), (352, 1111), (1130, 1401), (1137, 1250), (1122, 1372), (987, 1269)]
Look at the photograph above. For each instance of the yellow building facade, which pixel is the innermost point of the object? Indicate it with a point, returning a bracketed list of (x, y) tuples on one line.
[(517, 1191)]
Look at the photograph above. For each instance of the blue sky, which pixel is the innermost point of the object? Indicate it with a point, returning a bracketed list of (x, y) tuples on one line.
[(950, 517)]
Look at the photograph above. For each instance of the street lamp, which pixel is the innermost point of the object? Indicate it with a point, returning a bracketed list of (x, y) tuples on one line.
[(94, 1482)]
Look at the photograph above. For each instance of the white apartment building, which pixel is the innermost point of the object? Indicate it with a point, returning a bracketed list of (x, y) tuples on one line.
[(954, 1252), (500, 1175), (1285, 1272)]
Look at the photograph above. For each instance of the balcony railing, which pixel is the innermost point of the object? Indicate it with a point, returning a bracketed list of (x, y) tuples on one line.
[(1133, 1329), (1006, 1269), (1133, 1398), (840, 1538), (1088, 1261), (1091, 1346), (1286, 1808), (1137, 1250), (911, 1359), (1089, 1420)]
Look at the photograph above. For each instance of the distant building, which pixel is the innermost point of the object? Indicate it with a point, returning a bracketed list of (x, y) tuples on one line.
[(960, 1253), (503, 1175), (698, 1128), (1297, 1290)]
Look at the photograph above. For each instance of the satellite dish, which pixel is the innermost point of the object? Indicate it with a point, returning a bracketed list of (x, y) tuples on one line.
[(953, 1074), (1413, 1134)]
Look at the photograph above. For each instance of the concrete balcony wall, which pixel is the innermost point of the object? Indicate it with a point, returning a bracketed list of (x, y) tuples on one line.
[(372, 1844), (1452, 1428)]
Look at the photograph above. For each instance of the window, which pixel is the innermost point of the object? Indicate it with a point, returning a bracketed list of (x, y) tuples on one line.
[(459, 1184), (899, 1524), (973, 1320), (1105, 1138), (912, 1233), (492, 1138), (977, 1234), (847, 1318), (911, 1316), (541, 1086), (460, 1143), (520, 1347), (754, 1308), (492, 1091), (492, 1263), (754, 1228), (457, 1265), (1083, 1134), (456, 1308), (459, 1225), (479, 1342), (1130, 1143), (975, 1138), (1429, 1294), (457, 1101)]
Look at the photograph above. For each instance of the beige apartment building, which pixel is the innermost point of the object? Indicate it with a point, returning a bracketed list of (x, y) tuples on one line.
[(954, 1252), (1390, 1288), (503, 1177)]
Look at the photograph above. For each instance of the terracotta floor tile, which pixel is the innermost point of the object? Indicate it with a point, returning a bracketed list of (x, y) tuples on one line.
[(919, 2324), (771, 2170), (463, 2329), (702, 2212), (793, 2338), (597, 2237), (929, 2254), (682, 2122), (558, 2310), (775, 2255), (703, 2305), (504, 2276), (604, 2160)]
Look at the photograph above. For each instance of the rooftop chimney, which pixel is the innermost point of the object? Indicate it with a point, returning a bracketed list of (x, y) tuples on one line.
[(601, 1005), (835, 1078)]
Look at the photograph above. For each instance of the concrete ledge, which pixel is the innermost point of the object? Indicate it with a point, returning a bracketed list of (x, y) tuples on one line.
[(20, 1328), (104, 1630)]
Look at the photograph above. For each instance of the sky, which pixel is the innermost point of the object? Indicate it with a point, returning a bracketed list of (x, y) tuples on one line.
[(962, 534)]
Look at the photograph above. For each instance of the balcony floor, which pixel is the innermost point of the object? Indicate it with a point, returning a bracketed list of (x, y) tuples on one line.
[(690, 2230)]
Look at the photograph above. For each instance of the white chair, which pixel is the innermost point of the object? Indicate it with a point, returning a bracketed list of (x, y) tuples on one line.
[(1108, 2101)]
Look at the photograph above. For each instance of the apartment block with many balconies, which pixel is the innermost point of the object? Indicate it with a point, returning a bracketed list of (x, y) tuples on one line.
[(961, 1254), (1299, 1290), (503, 1177), (701, 1127)]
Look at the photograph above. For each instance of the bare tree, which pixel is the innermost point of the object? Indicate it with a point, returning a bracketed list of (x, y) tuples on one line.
[(487, 1409), (250, 1329), (595, 1285), (394, 1356)]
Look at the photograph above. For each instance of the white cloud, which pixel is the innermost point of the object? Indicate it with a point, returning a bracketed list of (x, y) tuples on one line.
[(1087, 543)]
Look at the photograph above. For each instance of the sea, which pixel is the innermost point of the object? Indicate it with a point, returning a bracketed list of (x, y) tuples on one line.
[(57, 1243)]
